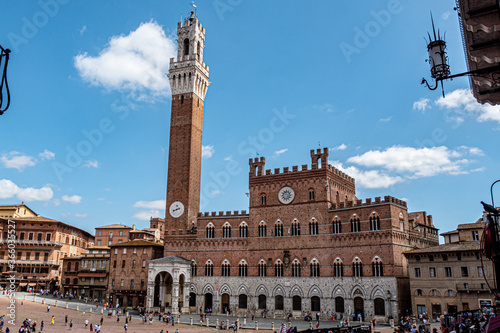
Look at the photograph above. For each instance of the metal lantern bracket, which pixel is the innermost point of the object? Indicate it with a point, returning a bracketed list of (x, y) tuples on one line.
[(4, 53)]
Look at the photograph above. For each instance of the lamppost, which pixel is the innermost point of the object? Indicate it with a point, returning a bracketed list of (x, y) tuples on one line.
[(492, 233), (440, 70), (4, 103)]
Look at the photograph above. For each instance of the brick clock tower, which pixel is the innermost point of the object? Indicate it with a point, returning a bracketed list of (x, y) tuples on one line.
[(189, 82)]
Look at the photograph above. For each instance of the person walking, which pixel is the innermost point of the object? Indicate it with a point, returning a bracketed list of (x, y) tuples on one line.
[(102, 319), (41, 326), (125, 327), (71, 325), (66, 320), (52, 320)]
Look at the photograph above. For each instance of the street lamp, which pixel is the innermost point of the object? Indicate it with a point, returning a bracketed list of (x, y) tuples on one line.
[(440, 70), (4, 104)]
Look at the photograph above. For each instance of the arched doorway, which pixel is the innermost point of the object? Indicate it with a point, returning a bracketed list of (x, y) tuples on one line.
[(297, 303), (262, 302), (208, 301), (339, 304), (225, 303), (163, 291), (359, 307), (192, 300), (315, 304)]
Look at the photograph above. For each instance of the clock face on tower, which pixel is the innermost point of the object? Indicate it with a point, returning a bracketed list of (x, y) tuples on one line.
[(176, 209), (286, 195)]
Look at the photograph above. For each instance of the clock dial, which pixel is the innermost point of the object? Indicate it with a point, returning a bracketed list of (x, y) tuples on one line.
[(286, 195), (176, 209)]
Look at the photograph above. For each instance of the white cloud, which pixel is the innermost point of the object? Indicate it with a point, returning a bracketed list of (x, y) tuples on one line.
[(156, 204), (83, 29), (340, 147), (415, 162), (91, 164), (325, 107), (47, 155), (446, 15), (65, 214), (472, 150), (463, 103), (9, 189), (17, 160), (370, 178), (422, 104), (74, 199), (385, 120), (279, 152), (135, 63), (145, 215), (229, 158), (207, 151), (57, 202), (81, 215)]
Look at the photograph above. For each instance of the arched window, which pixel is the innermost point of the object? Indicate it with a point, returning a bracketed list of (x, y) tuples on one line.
[(210, 230), (278, 302), (377, 267), (262, 229), (263, 200), (186, 46), (75, 281), (314, 265), (226, 230), (67, 280), (296, 268), (226, 268), (243, 268), (262, 268), (242, 301), (337, 226), (243, 230), (379, 307), (355, 225), (278, 268), (296, 303), (338, 268), (295, 228), (69, 267), (357, 268), (374, 222), (311, 194), (313, 227), (193, 268), (278, 229), (209, 268), (77, 265)]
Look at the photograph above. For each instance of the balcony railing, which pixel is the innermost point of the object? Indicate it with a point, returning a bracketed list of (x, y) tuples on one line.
[(31, 262), (33, 242)]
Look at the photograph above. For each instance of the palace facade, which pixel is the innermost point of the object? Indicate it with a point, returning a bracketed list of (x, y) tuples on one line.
[(306, 244)]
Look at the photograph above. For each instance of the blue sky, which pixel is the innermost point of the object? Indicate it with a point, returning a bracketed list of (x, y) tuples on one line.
[(85, 140)]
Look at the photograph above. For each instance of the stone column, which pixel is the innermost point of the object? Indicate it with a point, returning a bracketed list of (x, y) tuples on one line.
[(185, 304), (175, 297)]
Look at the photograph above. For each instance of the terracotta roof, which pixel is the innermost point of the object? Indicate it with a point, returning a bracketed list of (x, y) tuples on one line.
[(31, 218), (450, 247), (475, 225), (450, 232), (114, 226), (138, 242)]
